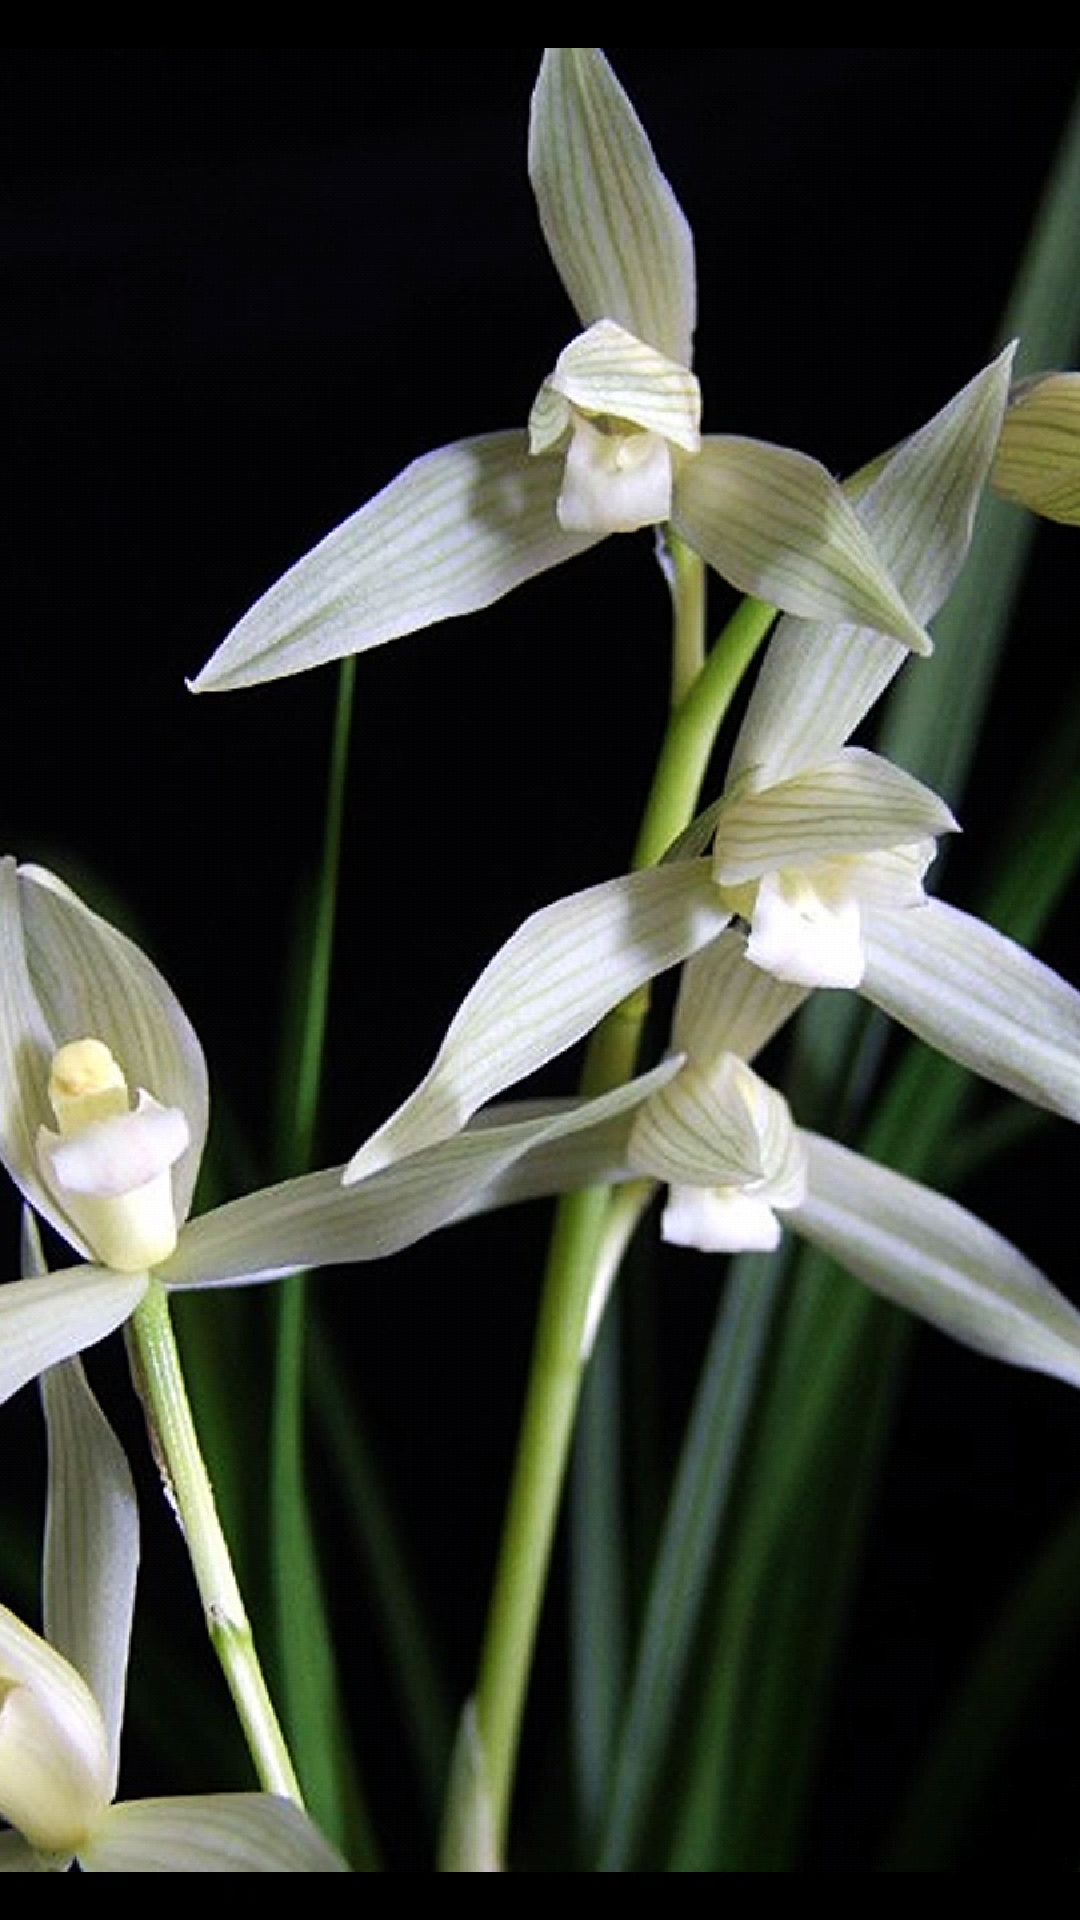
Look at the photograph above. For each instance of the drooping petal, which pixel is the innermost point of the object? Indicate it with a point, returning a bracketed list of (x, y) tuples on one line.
[(91, 1545), (855, 803), (92, 981), (49, 1319), (979, 998), (560, 973), (620, 241), (316, 1221), (932, 1257), (455, 531), (209, 1833), (818, 680), (718, 1124), (1038, 457), (726, 1005), (715, 1220), (54, 1759), (777, 525)]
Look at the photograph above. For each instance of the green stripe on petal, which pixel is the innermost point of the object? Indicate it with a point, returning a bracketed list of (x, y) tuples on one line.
[(726, 1005), (26, 1049), (777, 525), (720, 1125), (619, 239), (209, 1833), (557, 976), (817, 680), (317, 1221), (979, 998), (1038, 458), (91, 1545), (857, 803), (454, 532), (609, 371), (929, 1255), (53, 1317)]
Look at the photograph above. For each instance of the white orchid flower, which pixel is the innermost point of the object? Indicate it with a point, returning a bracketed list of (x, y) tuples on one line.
[(820, 846), (613, 440), (103, 1117), (738, 1168), (62, 1693)]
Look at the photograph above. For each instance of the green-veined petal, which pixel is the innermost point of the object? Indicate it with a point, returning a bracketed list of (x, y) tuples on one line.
[(621, 243), (54, 1759), (818, 680), (317, 1221), (209, 1833), (91, 1545), (454, 532), (932, 1257), (725, 1005), (607, 371), (57, 1315), (856, 803), (777, 525), (976, 996), (1038, 458), (560, 973)]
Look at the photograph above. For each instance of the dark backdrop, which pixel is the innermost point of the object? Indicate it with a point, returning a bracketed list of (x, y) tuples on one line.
[(241, 288)]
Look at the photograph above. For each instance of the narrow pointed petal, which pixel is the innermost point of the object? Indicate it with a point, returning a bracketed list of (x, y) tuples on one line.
[(1038, 457), (619, 239), (209, 1833), (454, 532), (560, 973), (316, 1221), (777, 525), (726, 1005), (91, 1545), (976, 996), (932, 1257), (818, 680), (856, 803), (89, 980), (26, 1048), (51, 1318)]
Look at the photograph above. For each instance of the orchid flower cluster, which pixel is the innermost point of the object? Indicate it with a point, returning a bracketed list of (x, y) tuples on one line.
[(808, 874)]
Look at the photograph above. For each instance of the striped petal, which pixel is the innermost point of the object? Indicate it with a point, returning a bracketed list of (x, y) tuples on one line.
[(718, 1124), (976, 996), (932, 1257), (726, 1005), (777, 525), (607, 371), (619, 239), (57, 1315), (91, 1545), (54, 1761), (818, 680), (1038, 458), (857, 803), (209, 1833), (316, 1221), (559, 974), (455, 531)]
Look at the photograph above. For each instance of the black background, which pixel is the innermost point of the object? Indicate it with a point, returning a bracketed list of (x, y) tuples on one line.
[(241, 288)]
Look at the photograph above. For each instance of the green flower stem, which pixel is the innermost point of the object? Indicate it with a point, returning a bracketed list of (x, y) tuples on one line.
[(579, 1236), (176, 1448), (688, 628)]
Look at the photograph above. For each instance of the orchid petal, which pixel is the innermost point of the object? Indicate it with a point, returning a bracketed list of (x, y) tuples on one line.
[(52, 1318), (714, 1221), (90, 980), (26, 1049), (621, 243), (717, 1124), (54, 1760), (1038, 457), (980, 999), (455, 531), (91, 1545), (726, 1005), (316, 1221), (209, 1833), (560, 973), (818, 680), (856, 803), (929, 1255), (807, 931), (777, 524), (607, 371)]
